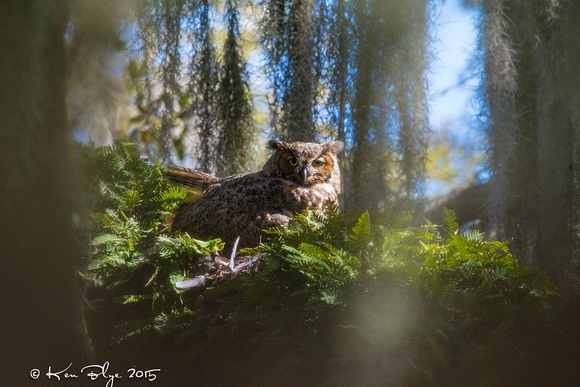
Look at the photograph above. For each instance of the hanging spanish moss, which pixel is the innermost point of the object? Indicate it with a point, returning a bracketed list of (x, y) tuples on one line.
[(500, 87), (347, 70), (532, 130), (170, 73), (340, 70), (179, 72), (238, 131), (377, 86), (96, 96), (288, 38), (201, 106), (203, 83), (159, 45)]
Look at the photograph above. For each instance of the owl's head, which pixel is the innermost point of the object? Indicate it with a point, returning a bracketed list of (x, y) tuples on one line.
[(305, 164)]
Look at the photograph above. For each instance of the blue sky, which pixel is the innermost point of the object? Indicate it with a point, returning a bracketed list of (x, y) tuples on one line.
[(454, 48), (453, 84)]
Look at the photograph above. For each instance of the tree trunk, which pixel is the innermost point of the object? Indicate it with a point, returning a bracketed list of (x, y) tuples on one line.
[(43, 314)]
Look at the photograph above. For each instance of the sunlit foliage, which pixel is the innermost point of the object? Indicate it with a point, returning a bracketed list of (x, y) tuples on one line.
[(339, 293)]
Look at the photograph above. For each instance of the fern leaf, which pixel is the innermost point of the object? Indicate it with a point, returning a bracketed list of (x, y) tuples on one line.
[(450, 226), (104, 239), (131, 199), (130, 298), (172, 193), (360, 236), (474, 235), (313, 251), (402, 220)]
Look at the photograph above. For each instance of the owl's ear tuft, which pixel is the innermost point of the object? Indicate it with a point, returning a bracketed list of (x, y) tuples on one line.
[(277, 145), (334, 147)]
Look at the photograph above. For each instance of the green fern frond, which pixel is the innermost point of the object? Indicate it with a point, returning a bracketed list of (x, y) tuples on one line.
[(132, 329), (360, 236), (314, 252), (131, 199), (131, 298), (320, 269), (450, 226), (172, 193), (532, 281), (401, 220), (474, 235), (104, 239)]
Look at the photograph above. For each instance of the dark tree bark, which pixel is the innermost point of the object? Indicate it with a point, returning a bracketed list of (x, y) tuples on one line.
[(42, 310)]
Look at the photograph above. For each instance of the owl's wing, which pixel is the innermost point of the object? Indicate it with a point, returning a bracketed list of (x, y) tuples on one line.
[(195, 180)]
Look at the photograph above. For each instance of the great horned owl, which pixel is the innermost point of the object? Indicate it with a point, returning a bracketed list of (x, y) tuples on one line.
[(297, 176)]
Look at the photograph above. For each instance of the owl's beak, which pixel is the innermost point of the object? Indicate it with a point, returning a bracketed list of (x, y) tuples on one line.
[(304, 175)]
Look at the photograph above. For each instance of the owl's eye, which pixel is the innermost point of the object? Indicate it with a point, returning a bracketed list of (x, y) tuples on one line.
[(292, 161), (317, 163)]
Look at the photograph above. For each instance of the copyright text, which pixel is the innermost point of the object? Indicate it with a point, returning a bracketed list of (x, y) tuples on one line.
[(94, 372)]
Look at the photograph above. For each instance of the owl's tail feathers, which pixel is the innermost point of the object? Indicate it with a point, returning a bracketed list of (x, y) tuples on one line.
[(189, 178)]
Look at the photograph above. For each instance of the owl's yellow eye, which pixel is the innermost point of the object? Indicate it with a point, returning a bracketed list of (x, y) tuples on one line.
[(292, 161), (317, 163)]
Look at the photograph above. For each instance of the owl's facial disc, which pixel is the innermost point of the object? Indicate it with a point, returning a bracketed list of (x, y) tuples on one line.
[(305, 170)]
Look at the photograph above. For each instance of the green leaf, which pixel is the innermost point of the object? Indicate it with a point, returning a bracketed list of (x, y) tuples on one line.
[(131, 298), (105, 239), (131, 199), (450, 226), (361, 233), (328, 298)]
